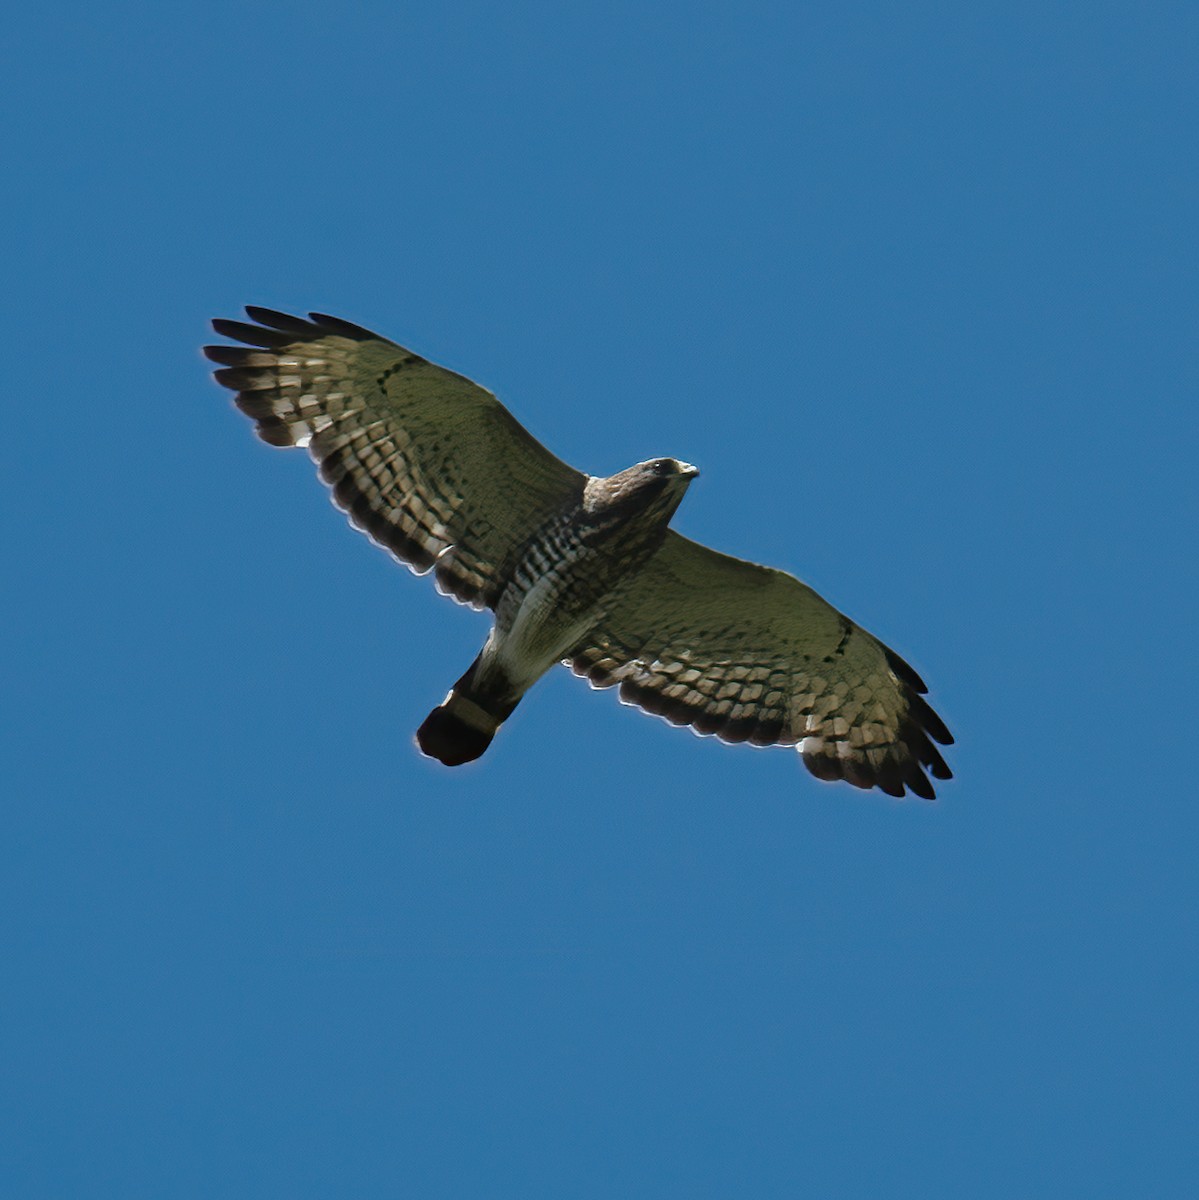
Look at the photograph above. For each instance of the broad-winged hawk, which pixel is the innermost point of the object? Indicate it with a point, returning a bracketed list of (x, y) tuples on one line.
[(577, 569)]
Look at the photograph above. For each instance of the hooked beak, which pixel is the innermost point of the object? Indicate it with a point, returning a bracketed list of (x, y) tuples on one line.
[(688, 471)]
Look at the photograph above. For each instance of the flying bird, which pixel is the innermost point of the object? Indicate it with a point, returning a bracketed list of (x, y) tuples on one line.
[(577, 569)]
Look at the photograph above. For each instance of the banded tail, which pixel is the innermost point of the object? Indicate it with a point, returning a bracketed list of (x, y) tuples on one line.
[(461, 727)]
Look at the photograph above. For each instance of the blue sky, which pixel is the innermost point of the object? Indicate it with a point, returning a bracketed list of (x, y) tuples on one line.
[(914, 284)]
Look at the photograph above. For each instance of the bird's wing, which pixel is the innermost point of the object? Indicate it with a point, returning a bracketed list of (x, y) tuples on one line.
[(753, 655), (428, 464)]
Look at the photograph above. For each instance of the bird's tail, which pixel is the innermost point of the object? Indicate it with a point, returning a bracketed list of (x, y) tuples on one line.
[(461, 727)]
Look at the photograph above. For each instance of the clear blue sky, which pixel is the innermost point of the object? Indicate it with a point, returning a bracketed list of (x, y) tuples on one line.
[(915, 285)]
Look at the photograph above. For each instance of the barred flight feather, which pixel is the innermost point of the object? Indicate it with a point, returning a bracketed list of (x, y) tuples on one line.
[(420, 459), (769, 663), (434, 469)]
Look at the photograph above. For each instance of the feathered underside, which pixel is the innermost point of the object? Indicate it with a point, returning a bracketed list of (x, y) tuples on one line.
[(428, 464), (752, 655), (433, 468)]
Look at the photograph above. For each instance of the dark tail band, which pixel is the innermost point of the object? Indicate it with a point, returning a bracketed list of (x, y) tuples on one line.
[(459, 729), (451, 737)]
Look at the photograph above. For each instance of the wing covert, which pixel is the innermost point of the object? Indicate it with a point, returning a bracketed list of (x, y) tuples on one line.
[(428, 464), (751, 654)]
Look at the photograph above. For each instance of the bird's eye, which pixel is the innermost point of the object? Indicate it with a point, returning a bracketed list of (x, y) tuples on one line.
[(662, 466)]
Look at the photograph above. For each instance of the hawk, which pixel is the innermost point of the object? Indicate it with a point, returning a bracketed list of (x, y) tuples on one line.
[(577, 569)]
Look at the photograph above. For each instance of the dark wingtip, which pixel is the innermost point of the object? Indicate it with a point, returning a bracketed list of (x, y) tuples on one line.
[(284, 322), (918, 783), (274, 329), (930, 721), (336, 325), (940, 770), (905, 671), (252, 335)]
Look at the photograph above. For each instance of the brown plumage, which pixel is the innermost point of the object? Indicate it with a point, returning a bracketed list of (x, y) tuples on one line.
[(577, 569)]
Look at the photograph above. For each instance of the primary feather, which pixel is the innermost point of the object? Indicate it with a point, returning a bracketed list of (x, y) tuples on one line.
[(576, 568)]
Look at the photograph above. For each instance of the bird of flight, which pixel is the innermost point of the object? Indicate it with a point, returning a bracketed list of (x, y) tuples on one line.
[(577, 569)]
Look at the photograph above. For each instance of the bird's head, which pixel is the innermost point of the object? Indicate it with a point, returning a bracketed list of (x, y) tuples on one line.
[(668, 468), (655, 486)]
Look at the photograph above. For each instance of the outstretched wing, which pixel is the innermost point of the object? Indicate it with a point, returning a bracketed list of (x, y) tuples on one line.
[(431, 466), (753, 655)]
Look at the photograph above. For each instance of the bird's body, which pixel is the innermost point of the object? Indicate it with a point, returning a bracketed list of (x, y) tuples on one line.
[(555, 598), (576, 568)]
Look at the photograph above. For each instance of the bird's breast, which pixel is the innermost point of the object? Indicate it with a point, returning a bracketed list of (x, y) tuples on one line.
[(556, 592)]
